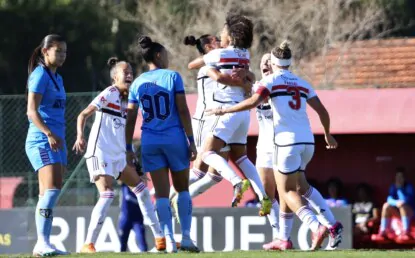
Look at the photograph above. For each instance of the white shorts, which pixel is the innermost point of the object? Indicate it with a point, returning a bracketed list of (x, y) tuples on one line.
[(232, 128), (264, 159), (97, 166), (292, 158), (201, 129)]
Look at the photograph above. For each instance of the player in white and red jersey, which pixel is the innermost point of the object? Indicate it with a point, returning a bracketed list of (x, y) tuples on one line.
[(106, 154), (232, 129), (293, 138)]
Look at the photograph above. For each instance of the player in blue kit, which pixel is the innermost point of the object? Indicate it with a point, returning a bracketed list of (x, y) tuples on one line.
[(45, 142), (167, 139), (131, 218)]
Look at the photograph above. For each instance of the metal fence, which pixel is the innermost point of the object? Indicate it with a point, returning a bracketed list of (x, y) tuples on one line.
[(15, 164)]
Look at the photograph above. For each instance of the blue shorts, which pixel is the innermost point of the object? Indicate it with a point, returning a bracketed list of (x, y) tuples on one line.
[(165, 150), (40, 154)]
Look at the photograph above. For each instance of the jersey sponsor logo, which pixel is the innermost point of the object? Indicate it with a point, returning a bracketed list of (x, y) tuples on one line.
[(103, 100), (117, 123)]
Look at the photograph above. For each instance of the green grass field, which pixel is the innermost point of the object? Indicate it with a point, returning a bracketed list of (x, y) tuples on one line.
[(258, 254)]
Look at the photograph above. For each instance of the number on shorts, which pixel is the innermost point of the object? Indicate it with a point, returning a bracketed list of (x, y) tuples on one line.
[(157, 106), (295, 103)]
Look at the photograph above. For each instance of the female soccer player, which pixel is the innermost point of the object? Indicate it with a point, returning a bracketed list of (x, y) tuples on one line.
[(45, 142), (294, 141), (105, 154), (167, 141), (236, 38)]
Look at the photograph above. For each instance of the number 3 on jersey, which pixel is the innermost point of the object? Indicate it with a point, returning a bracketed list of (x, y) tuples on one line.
[(295, 103), (155, 106)]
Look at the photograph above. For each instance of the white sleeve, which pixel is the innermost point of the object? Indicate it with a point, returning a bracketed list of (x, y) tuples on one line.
[(102, 99), (264, 87), (212, 58)]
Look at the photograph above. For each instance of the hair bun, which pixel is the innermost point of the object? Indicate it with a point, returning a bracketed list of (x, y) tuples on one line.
[(145, 42), (112, 61), (190, 40), (285, 45)]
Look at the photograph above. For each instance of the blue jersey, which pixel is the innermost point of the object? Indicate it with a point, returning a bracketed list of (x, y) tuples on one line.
[(52, 106), (154, 91), (405, 193)]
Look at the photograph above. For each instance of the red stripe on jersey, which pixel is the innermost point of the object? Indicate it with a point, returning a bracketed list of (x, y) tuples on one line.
[(111, 105), (284, 87), (263, 91), (234, 60)]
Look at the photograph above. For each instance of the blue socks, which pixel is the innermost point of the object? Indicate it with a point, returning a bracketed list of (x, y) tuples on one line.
[(184, 203), (405, 223), (165, 217), (44, 214), (384, 224)]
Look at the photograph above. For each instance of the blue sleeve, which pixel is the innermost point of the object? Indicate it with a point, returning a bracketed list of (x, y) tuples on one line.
[(391, 201), (401, 195), (132, 95), (178, 83), (38, 81)]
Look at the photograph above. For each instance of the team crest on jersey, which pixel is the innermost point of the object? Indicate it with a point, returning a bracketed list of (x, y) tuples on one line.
[(104, 164), (103, 99)]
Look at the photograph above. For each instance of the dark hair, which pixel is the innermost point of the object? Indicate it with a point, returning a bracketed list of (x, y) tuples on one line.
[(112, 63), (37, 57), (364, 186), (283, 51), (241, 30), (336, 182), (200, 43), (149, 48), (400, 170)]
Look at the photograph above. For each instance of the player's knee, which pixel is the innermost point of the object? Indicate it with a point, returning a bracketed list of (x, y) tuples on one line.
[(385, 207)]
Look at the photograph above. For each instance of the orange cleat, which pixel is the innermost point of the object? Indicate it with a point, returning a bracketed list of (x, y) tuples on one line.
[(88, 249)]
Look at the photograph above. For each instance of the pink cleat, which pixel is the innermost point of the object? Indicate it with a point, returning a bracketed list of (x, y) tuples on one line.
[(319, 237), (278, 244)]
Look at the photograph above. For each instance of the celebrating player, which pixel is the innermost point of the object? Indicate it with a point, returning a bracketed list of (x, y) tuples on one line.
[(105, 154), (293, 139), (45, 142), (167, 140), (232, 129)]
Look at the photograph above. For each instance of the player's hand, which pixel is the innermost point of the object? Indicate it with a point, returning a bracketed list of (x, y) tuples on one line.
[(214, 111), (239, 73), (192, 151), (79, 146), (399, 203), (54, 141), (131, 158), (331, 142)]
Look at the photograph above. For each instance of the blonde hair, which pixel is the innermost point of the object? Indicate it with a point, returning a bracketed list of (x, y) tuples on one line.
[(285, 45)]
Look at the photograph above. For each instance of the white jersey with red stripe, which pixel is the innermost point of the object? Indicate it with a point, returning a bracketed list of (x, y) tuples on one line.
[(289, 94), (107, 137), (225, 59), (205, 88)]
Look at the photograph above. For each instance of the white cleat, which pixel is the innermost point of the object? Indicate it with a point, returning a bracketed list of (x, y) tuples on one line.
[(44, 250), (171, 247)]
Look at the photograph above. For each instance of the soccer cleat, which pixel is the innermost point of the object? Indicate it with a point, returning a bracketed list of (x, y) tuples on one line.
[(404, 237), (278, 244), (238, 192), (160, 243), (171, 247), (44, 251), (187, 245), (318, 237), (88, 249), (266, 206), (175, 211), (335, 235)]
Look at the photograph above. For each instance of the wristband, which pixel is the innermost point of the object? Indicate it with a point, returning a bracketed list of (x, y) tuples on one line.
[(129, 147), (191, 139)]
